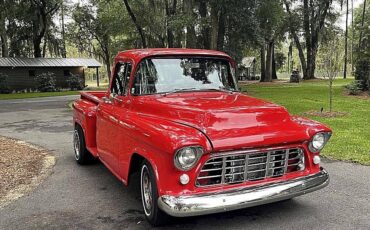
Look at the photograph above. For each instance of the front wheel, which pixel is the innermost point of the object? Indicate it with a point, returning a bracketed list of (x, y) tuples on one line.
[(149, 196)]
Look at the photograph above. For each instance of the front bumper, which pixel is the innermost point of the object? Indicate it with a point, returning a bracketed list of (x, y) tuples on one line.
[(195, 205)]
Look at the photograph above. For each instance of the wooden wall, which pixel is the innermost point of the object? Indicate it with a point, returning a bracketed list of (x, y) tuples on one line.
[(19, 79)]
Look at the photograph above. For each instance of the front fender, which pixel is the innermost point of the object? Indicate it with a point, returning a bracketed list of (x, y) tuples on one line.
[(157, 140)]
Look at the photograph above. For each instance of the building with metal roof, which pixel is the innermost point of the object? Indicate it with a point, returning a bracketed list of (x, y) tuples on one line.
[(21, 72)]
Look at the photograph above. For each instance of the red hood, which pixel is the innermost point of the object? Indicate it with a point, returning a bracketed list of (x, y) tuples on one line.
[(230, 120)]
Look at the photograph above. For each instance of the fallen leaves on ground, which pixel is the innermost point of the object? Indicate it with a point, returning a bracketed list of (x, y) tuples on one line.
[(22, 167)]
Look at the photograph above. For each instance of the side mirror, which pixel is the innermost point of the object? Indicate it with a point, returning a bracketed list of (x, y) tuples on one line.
[(114, 97)]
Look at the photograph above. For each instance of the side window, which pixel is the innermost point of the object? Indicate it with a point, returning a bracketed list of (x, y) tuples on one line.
[(145, 78), (121, 79), (126, 77)]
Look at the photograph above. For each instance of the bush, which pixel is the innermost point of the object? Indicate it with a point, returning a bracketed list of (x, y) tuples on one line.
[(75, 82), (362, 74), (4, 87), (355, 88), (46, 82)]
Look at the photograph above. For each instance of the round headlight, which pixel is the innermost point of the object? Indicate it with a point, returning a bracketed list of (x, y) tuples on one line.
[(318, 141), (187, 157)]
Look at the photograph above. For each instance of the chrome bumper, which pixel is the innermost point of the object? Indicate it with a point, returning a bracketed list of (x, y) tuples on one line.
[(183, 206)]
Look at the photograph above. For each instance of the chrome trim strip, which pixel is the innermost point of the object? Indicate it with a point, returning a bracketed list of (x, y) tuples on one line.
[(194, 205)]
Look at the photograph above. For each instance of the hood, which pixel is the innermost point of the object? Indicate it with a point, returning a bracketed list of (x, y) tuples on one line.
[(230, 120)]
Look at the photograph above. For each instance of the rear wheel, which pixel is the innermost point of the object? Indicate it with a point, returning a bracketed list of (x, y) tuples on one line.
[(149, 196), (82, 155)]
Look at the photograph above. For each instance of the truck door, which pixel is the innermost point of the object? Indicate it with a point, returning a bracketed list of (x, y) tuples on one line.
[(110, 136)]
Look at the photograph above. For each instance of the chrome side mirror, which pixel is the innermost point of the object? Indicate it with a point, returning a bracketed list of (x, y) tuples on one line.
[(106, 100), (114, 97)]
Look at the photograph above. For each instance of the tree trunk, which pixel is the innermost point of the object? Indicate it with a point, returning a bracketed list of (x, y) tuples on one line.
[(308, 38), (170, 11), (362, 25), (352, 38), (346, 45), (203, 11), (64, 50), (37, 52), (268, 74), (169, 33), (263, 63), (4, 45), (214, 27), (274, 74), (190, 31), (107, 64), (44, 47), (138, 27), (298, 44), (221, 30), (313, 23), (3, 34)]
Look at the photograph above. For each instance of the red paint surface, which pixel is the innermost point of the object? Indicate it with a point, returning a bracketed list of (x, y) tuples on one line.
[(155, 126)]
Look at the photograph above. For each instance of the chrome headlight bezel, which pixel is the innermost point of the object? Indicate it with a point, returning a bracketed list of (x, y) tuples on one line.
[(179, 160), (324, 136)]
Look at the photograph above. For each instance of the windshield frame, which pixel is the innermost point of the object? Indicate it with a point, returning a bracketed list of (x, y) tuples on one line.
[(228, 60)]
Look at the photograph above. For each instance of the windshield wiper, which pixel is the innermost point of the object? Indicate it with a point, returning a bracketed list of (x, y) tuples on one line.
[(179, 90), (197, 89)]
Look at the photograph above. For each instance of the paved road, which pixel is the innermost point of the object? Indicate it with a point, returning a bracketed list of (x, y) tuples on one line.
[(76, 197)]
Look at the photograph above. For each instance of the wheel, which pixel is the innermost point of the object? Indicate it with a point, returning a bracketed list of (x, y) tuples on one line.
[(82, 155), (149, 196)]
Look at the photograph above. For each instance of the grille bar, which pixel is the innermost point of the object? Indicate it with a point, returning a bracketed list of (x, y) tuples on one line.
[(250, 166)]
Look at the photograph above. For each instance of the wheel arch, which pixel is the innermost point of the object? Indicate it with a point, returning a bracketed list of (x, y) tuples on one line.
[(136, 160)]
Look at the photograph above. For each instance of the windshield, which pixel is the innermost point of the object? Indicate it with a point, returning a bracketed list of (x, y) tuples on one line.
[(166, 75)]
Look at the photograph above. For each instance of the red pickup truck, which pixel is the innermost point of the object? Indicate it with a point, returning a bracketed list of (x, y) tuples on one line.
[(201, 147)]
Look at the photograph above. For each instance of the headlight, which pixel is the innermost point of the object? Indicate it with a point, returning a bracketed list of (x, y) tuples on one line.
[(186, 158), (318, 142)]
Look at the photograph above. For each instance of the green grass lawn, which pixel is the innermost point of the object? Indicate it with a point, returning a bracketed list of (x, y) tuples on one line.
[(351, 133), (33, 95)]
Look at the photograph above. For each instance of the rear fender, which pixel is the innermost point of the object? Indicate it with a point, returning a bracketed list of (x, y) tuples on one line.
[(84, 114)]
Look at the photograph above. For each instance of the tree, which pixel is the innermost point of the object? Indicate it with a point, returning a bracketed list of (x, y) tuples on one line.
[(98, 27), (138, 27), (332, 62), (362, 24), (313, 15), (43, 12), (270, 14), (362, 51)]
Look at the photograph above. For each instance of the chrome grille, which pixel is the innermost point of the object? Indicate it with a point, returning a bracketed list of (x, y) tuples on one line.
[(250, 166)]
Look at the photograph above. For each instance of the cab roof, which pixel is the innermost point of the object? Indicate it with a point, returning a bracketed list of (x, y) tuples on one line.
[(138, 54)]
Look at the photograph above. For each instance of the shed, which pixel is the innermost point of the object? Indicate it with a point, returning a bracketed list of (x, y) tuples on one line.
[(21, 72), (247, 68)]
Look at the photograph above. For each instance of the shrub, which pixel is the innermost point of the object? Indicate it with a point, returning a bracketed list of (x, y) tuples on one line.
[(355, 88), (46, 82), (4, 87), (362, 73), (75, 82)]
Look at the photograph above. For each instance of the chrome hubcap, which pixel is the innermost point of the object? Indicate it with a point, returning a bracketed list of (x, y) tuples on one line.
[(76, 144), (146, 190)]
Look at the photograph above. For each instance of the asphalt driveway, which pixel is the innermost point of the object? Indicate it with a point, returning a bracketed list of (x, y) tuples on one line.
[(89, 197)]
